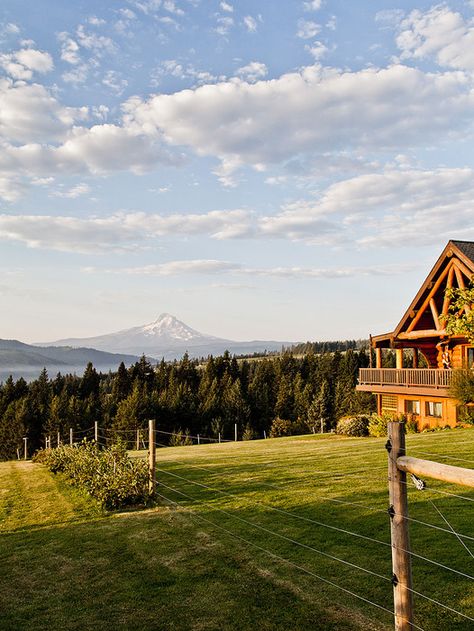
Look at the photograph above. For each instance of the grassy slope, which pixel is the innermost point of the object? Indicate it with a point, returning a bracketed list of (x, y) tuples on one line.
[(63, 565)]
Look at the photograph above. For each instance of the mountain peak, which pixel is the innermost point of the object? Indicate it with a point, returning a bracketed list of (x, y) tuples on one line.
[(166, 325)]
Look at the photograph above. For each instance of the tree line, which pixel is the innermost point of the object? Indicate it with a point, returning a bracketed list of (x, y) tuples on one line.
[(205, 398)]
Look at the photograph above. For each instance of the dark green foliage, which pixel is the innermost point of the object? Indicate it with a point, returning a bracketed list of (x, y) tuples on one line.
[(206, 398), (462, 386), (109, 475), (285, 427)]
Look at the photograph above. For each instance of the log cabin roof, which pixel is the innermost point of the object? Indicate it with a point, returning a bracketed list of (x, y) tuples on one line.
[(466, 247), (421, 321)]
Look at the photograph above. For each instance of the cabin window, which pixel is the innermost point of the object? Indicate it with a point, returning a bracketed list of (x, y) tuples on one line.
[(412, 407), (389, 403), (434, 408), (470, 357)]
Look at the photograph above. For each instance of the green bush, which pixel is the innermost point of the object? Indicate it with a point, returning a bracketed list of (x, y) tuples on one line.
[(180, 438), (378, 424), (353, 425), (283, 427), (108, 475), (248, 433)]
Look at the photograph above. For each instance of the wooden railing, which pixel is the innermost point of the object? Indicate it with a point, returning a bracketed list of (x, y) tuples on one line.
[(427, 377)]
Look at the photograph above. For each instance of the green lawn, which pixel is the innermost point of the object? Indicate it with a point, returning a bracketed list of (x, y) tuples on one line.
[(200, 559)]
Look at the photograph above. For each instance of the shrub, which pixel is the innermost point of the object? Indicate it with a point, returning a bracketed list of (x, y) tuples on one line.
[(109, 475), (180, 438), (378, 424), (411, 424), (248, 433), (283, 427), (353, 425)]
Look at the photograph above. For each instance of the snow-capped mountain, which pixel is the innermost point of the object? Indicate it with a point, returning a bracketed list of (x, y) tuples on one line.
[(167, 337)]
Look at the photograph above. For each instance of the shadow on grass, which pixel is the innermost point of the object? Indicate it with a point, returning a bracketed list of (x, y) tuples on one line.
[(156, 570)]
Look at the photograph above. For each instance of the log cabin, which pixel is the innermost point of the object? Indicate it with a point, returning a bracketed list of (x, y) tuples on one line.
[(425, 355)]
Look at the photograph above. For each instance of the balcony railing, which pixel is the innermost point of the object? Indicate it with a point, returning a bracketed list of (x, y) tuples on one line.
[(407, 377)]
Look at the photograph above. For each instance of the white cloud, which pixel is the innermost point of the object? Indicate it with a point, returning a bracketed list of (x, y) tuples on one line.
[(225, 6), (253, 71), (224, 24), (175, 268), (331, 24), (35, 60), (313, 5), (180, 70), (128, 14), (94, 42), (440, 33), (77, 75), (317, 50), (120, 231), (115, 82), (393, 207), (66, 234), (171, 7), (29, 113), (307, 29), (95, 21), (22, 63), (74, 192), (9, 28), (212, 266), (314, 110), (11, 188), (250, 24), (69, 49), (390, 17)]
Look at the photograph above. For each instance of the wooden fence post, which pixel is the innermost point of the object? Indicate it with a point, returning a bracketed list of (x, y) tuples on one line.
[(151, 457), (398, 511), (199, 440), (96, 431), (26, 448), (219, 437), (59, 439), (235, 432), (138, 439), (71, 436)]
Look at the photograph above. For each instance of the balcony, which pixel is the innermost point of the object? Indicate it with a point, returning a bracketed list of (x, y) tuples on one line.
[(405, 380)]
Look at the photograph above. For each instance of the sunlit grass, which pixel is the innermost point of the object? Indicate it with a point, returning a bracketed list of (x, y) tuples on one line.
[(65, 565)]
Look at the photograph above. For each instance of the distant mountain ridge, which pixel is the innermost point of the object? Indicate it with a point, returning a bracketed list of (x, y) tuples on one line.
[(24, 360), (167, 337)]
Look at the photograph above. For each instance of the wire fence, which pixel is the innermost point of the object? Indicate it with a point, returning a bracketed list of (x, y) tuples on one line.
[(216, 489)]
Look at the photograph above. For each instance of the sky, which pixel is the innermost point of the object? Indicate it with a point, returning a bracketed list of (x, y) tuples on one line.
[(261, 169)]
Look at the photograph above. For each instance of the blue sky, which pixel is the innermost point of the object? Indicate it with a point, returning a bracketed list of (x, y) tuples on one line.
[(271, 170)]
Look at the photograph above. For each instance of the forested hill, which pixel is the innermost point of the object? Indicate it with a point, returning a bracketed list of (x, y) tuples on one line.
[(24, 360), (328, 347), (185, 396)]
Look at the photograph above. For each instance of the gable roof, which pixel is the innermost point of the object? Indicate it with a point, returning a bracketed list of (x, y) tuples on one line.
[(454, 268)]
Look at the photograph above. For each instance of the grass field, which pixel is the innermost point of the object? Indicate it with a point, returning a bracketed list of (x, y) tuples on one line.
[(223, 552)]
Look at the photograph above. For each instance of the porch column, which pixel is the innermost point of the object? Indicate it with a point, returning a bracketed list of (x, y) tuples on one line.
[(415, 358), (399, 357), (378, 358)]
